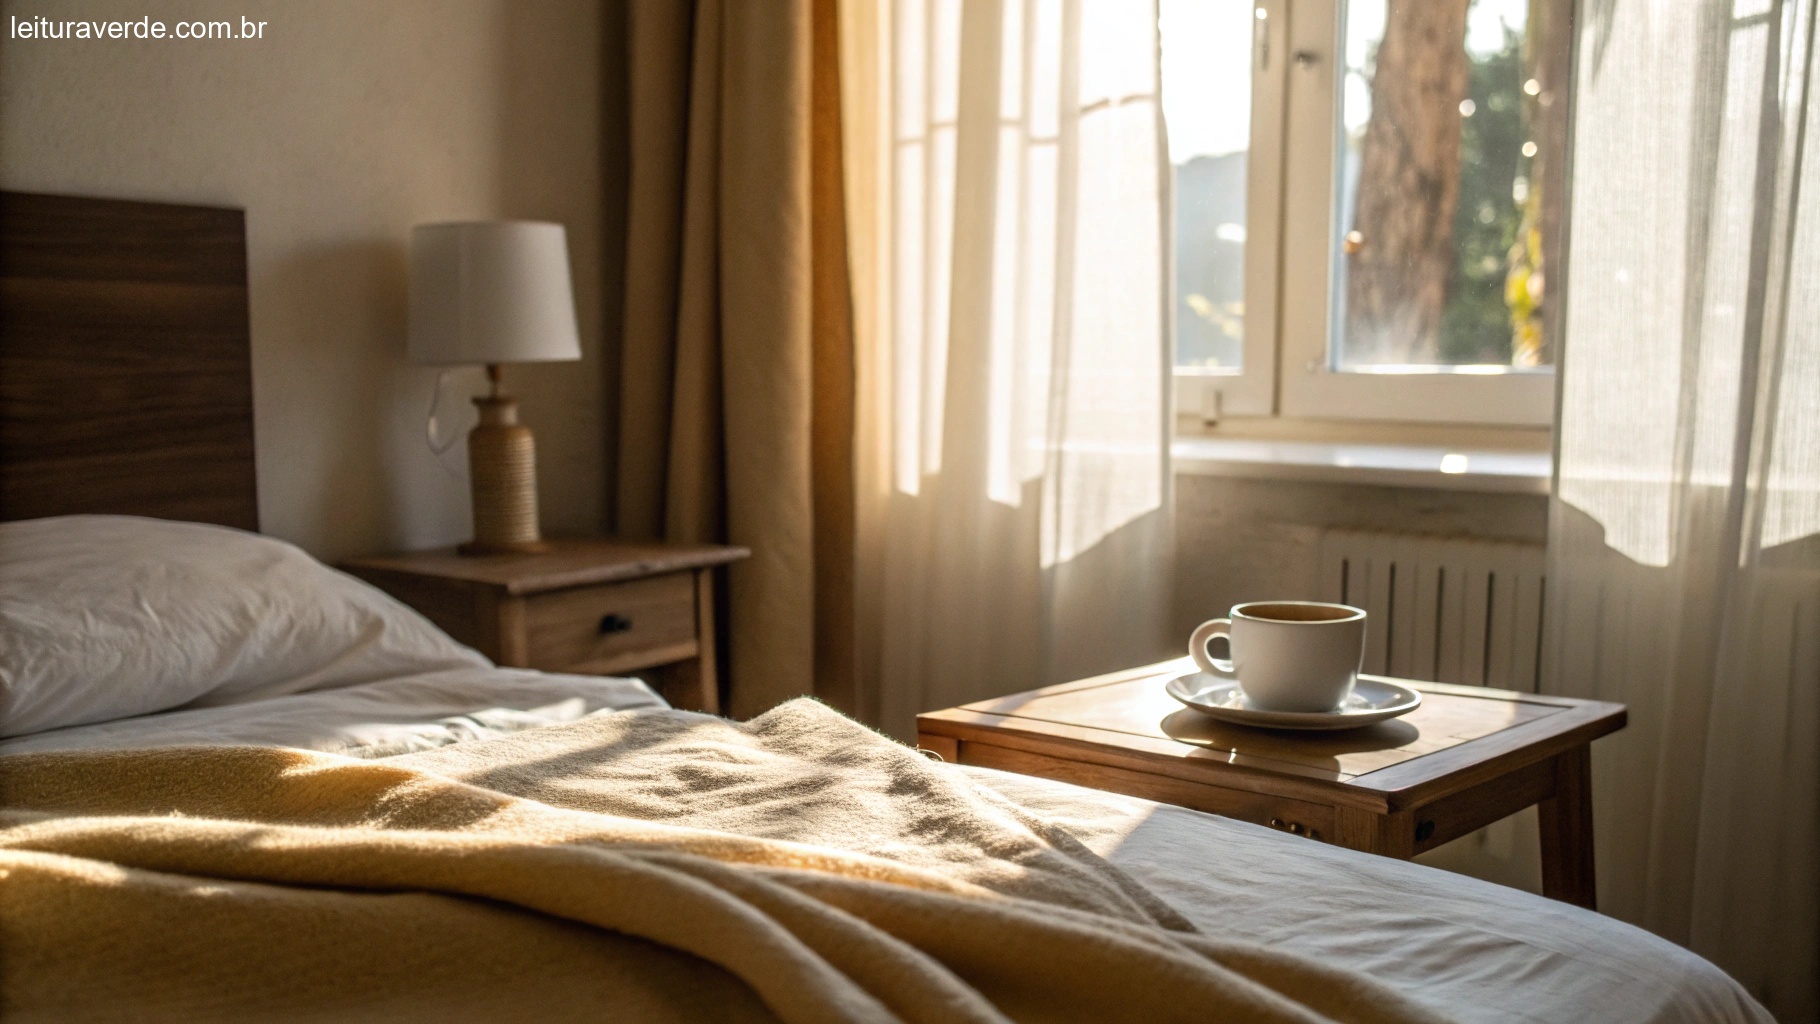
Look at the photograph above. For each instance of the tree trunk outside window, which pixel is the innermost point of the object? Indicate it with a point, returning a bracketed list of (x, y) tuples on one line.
[(1401, 257)]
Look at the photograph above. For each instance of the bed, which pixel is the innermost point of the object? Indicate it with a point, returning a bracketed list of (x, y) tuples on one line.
[(168, 677)]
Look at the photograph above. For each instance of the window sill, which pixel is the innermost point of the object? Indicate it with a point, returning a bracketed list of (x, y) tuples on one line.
[(1383, 465)]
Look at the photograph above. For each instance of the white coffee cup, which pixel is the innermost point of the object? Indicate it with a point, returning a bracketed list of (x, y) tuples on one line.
[(1287, 655)]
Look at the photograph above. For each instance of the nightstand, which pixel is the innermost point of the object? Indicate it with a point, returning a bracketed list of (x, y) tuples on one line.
[(591, 607)]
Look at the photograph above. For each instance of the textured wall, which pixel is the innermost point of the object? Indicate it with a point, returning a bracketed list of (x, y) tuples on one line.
[(348, 122)]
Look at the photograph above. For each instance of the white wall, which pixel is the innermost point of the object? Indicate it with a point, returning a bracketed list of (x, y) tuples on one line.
[(347, 123)]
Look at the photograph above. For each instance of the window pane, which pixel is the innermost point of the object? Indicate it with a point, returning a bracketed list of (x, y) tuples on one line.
[(1207, 110), (1448, 157)]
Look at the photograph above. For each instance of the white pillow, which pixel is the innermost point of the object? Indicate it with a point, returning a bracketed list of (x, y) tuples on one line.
[(104, 617)]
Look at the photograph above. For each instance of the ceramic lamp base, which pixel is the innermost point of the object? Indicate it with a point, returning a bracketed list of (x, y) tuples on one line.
[(502, 468)]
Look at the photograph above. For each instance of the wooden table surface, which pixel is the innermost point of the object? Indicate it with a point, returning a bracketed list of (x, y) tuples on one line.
[(1456, 730), (570, 562), (1466, 757)]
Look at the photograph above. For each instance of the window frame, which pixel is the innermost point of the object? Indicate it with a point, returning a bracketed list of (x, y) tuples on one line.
[(1251, 391), (1291, 206)]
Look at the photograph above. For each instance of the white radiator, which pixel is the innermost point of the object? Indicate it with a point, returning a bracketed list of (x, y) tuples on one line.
[(1442, 608)]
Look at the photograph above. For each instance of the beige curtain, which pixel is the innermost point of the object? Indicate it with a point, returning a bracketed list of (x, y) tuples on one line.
[(1006, 204), (736, 390), (1684, 545), (952, 463)]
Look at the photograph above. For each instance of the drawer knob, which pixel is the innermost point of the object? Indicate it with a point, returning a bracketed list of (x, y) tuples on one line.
[(610, 624), (1294, 828)]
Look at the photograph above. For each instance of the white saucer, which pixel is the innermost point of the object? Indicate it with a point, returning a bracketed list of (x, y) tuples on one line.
[(1371, 700)]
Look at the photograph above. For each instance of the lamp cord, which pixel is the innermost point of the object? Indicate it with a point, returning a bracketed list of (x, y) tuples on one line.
[(439, 449)]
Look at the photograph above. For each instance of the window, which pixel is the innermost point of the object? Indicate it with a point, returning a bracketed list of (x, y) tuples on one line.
[(1367, 202), (1222, 106)]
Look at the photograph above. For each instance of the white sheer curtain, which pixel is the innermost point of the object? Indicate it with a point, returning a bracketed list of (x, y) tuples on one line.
[(1007, 221), (1685, 536)]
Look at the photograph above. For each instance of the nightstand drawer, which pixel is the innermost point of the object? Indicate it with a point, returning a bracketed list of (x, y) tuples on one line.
[(613, 627)]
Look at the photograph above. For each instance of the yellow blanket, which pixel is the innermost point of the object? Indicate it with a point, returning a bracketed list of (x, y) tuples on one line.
[(646, 865)]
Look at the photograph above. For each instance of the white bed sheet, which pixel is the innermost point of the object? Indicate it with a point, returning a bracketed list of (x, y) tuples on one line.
[(1474, 951), (392, 716)]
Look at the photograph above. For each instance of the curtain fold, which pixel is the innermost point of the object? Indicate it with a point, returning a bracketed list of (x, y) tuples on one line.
[(896, 320), (1684, 564), (735, 369), (1006, 200)]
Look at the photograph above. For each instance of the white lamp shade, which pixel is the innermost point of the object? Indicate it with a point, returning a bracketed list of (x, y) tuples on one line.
[(491, 292)]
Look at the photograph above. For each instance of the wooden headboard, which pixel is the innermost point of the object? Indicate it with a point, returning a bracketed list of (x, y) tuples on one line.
[(125, 365)]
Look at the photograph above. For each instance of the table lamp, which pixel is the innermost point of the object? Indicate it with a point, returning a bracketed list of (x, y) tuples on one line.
[(490, 293)]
